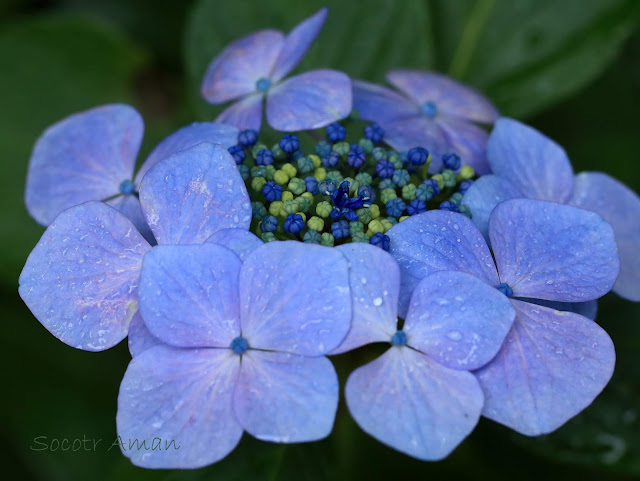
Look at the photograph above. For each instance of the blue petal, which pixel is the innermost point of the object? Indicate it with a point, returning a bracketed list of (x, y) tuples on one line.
[(129, 206), (182, 396), (194, 193), (451, 97), (468, 141), (286, 398), (537, 166), (140, 339), (587, 309), (551, 251), (379, 104), (438, 241), (407, 401), (196, 133), (236, 70), (246, 113), (458, 320), (81, 158), (619, 206), (482, 197), (375, 283), (240, 241), (406, 133), (189, 295), (297, 42), (295, 298), (80, 281), (309, 101), (552, 365)]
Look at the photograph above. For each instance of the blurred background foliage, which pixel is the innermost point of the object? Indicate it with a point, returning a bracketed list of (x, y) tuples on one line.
[(568, 67)]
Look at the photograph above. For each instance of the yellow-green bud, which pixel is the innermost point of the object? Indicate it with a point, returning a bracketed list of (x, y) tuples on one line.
[(289, 169), (466, 173), (280, 177), (327, 239), (316, 223), (275, 207), (257, 183), (323, 209), (374, 227)]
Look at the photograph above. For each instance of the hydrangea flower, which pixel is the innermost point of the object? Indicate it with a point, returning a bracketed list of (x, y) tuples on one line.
[(431, 111), (419, 396), (552, 363), (254, 67), (91, 155), (527, 164), (241, 348), (80, 281)]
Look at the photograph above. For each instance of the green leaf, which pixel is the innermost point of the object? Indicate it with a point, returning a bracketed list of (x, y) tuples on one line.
[(52, 67), (526, 55), (363, 39)]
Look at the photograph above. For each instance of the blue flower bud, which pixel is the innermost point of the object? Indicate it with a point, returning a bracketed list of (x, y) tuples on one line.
[(418, 156), (433, 184), (272, 191), (331, 159), (340, 229), (289, 143), (386, 184), (312, 237), (464, 186), (395, 207), (244, 171), (237, 153), (416, 207), (264, 157), (322, 148), (305, 165), (380, 240), (379, 154), (384, 169), (446, 205), (401, 177), (294, 223), (327, 187), (312, 185), (258, 210), (374, 133), (269, 224), (356, 156), (247, 138), (367, 194), (451, 161), (336, 132)]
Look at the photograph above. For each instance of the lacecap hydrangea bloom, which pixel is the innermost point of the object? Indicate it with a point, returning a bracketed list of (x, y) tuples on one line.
[(525, 163), (92, 155), (253, 69), (80, 281), (431, 111), (263, 258), (552, 363)]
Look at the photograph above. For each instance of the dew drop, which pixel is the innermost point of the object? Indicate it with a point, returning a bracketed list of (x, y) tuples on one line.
[(377, 301), (454, 335)]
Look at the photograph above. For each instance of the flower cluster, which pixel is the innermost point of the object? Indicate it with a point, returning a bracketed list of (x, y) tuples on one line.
[(236, 265)]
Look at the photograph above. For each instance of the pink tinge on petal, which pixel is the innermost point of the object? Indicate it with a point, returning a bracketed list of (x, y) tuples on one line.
[(297, 42), (236, 70), (448, 96)]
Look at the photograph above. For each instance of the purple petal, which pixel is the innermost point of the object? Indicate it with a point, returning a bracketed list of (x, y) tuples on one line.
[(286, 398), (309, 101), (140, 339), (450, 97), (80, 281), (196, 133), (297, 42), (407, 401), (295, 298), (81, 158), (189, 295), (183, 397), (375, 284), (552, 365), (620, 206), (551, 251), (468, 141), (236, 70), (246, 113), (537, 166), (194, 193), (483, 196), (240, 241), (458, 320), (379, 104), (438, 241), (404, 134), (129, 206)]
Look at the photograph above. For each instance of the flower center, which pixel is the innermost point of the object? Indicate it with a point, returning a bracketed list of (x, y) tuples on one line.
[(263, 84), (127, 187), (505, 289), (399, 338), (239, 345), (429, 109)]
